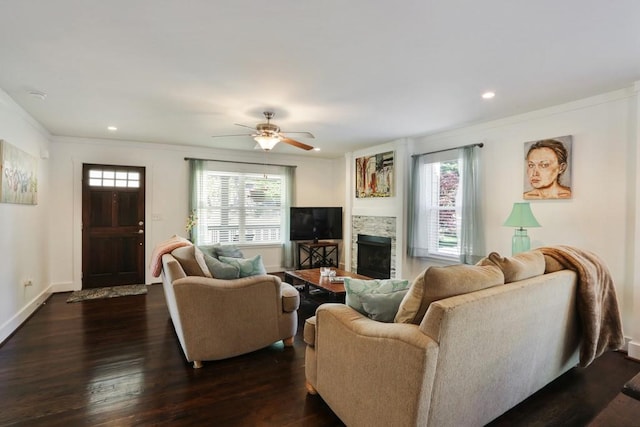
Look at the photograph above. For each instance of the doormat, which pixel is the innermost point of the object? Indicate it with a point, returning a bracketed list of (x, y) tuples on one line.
[(107, 292)]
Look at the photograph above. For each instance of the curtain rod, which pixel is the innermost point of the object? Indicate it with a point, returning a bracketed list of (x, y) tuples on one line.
[(242, 163), (478, 144)]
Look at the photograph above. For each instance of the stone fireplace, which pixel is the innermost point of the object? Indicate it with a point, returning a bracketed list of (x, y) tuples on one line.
[(381, 228)]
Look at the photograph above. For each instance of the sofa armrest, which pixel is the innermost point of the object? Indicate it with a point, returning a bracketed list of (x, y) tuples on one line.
[(310, 331), (378, 362), (290, 298), (361, 327)]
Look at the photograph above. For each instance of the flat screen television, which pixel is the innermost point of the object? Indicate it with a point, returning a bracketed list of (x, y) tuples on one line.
[(315, 223)]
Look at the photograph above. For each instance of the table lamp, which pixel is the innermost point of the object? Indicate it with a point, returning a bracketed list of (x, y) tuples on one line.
[(521, 216)]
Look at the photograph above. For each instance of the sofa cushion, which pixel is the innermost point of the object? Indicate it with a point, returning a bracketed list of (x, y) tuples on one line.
[(219, 269), (247, 266), (357, 288), (443, 282), (382, 307), (551, 265), (187, 258), (219, 250), (524, 265)]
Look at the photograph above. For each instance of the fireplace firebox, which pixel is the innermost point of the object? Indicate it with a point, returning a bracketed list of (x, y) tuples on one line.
[(374, 256)]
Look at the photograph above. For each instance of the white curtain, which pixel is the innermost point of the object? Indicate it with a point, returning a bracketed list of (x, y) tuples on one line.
[(472, 242), (288, 258), (196, 175)]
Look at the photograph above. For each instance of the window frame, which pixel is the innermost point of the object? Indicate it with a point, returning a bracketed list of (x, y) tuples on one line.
[(243, 175)]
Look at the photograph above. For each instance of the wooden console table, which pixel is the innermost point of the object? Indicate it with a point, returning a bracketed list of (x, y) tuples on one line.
[(320, 254)]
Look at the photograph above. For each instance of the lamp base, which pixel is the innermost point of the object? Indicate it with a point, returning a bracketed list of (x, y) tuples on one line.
[(520, 241)]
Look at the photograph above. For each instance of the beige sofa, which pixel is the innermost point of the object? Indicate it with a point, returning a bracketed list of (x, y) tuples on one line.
[(468, 360), (216, 319)]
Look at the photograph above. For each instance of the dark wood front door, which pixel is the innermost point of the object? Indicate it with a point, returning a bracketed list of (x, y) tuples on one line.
[(112, 225)]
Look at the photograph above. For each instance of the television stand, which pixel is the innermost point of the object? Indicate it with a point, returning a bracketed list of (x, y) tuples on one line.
[(317, 254)]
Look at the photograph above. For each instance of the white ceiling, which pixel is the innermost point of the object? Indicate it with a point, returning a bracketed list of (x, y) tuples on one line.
[(354, 73)]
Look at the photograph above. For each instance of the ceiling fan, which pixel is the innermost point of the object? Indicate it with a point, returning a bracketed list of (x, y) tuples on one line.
[(267, 135)]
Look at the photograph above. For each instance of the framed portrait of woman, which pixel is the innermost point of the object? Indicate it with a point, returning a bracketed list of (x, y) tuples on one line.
[(547, 168)]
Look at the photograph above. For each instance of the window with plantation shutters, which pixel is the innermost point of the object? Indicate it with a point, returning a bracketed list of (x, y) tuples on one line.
[(240, 206), (445, 211), (436, 206), (443, 208)]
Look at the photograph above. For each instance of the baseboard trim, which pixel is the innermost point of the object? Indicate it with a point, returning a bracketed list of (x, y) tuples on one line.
[(634, 350), (12, 325), (63, 287)]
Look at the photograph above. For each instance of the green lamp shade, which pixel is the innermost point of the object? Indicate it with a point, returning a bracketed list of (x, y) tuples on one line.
[(521, 216)]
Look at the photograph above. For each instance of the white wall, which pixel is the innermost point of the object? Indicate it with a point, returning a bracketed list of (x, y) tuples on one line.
[(24, 247), (317, 184), (393, 206), (601, 217)]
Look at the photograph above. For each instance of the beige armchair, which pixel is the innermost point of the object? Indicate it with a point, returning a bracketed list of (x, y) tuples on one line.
[(217, 319)]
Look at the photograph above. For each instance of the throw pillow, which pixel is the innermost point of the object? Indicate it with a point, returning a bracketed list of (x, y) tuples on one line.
[(443, 282), (382, 307), (356, 288), (517, 267), (186, 256), (248, 267), (209, 249), (219, 250), (221, 270)]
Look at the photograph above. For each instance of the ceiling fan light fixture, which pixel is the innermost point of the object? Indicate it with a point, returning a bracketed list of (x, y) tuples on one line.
[(267, 142)]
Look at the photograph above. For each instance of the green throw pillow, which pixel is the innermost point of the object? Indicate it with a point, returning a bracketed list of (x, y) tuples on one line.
[(219, 250), (247, 266), (357, 288), (382, 307), (219, 269)]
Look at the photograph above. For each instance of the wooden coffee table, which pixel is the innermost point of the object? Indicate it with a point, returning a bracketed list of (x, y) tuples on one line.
[(311, 278)]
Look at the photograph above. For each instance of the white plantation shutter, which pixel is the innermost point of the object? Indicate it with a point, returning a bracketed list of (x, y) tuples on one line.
[(435, 206), (240, 203)]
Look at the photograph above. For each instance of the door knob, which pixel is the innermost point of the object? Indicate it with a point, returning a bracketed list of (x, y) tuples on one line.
[(140, 231), (141, 223)]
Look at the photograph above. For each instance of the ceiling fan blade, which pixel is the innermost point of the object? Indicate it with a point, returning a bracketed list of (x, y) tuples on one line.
[(296, 143), (307, 134), (245, 126), (237, 134)]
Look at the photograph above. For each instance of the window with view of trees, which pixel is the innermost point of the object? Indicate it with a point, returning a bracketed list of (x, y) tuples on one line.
[(445, 216), (443, 211)]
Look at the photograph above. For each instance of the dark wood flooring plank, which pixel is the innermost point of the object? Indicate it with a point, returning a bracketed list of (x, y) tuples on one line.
[(118, 362)]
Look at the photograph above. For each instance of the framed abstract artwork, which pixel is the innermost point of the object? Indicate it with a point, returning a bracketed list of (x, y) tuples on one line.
[(547, 168), (374, 175), (18, 175)]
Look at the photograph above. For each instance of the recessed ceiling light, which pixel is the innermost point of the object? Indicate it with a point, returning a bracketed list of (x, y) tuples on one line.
[(316, 149), (112, 128), (488, 95)]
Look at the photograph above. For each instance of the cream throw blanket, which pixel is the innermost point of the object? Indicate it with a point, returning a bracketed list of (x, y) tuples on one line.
[(596, 300)]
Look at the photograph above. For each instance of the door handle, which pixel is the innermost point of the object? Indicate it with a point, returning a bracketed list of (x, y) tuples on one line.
[(140, 231), (140, 223)]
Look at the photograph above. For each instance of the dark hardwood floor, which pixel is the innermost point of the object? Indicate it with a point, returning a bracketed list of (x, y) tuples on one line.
[(118, 362)]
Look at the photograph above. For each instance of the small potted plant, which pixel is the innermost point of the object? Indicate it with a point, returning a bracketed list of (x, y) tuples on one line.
[(192, 221)]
